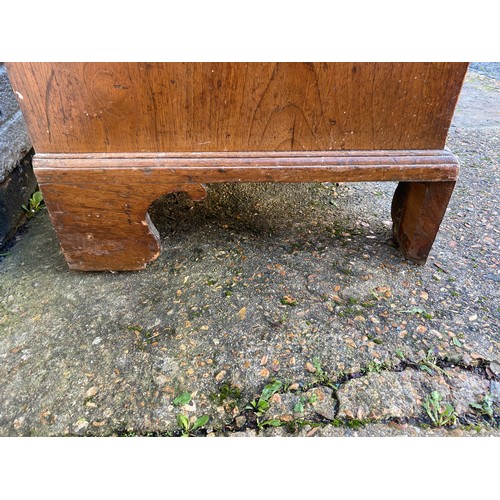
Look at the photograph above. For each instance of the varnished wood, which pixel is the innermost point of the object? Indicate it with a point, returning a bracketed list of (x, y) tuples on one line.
[(140, 107), (109, 228), (324, 166), (112, 137), (417, 211)]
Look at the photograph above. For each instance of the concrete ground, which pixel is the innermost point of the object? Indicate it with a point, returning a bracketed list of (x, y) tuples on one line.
[(272, 310)]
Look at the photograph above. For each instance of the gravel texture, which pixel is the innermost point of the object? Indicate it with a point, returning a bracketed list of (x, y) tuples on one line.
[(490, 69), (257, 283)]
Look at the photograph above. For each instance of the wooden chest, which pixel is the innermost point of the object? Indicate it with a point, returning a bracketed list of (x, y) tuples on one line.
[(110, 138)]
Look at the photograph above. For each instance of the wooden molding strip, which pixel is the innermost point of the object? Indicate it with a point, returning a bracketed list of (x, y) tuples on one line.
[(256, 154), (319, 166)]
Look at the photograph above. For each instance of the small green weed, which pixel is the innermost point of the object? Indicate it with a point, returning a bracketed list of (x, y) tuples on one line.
[(374, 367), (227, 393), (428, 364), (296, 425), (374, 339), (261, 405), (484, 407), (368, 303), (299, 405), (269, 423), (348, 311), (320, 376), (472, 427), (356, 424), (439, 414), (419, 311), (182, 399), (313, 398), (35, 204), (187, 428), (400, 354), (281, 320)]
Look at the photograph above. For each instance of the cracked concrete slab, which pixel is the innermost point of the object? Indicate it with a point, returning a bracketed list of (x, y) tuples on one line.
[(297, 283), (391, 395)]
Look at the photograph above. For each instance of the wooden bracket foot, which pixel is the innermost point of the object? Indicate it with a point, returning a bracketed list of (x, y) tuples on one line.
[(102, 220), (417, 211)]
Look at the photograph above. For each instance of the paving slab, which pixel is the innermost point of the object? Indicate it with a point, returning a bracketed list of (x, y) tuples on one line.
[(260, 283)]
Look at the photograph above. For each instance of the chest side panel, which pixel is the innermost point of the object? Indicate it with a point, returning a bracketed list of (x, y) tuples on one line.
[(182, 107)]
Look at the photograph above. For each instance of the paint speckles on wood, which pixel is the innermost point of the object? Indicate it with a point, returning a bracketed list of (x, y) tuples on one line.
[(139, 107)]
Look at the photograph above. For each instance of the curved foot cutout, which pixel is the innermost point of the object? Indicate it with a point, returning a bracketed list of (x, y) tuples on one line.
[(195, 191)]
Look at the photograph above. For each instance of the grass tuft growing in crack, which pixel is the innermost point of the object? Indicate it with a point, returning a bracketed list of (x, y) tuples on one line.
[(375, 366), (429, 364), (320, 377)]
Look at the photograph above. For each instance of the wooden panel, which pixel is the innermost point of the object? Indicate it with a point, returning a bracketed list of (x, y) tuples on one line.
[(179, 107)]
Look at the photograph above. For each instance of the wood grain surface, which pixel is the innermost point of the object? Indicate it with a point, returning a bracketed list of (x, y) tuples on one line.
[(417, 211), (348, 166), (202, 107), (98, 204), (110, 138)]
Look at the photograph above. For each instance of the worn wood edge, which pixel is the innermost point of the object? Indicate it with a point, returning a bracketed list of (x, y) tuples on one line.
[(408, 165), (256, 154)]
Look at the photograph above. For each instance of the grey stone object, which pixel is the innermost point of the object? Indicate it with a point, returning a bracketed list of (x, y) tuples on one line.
[(17, 181)]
